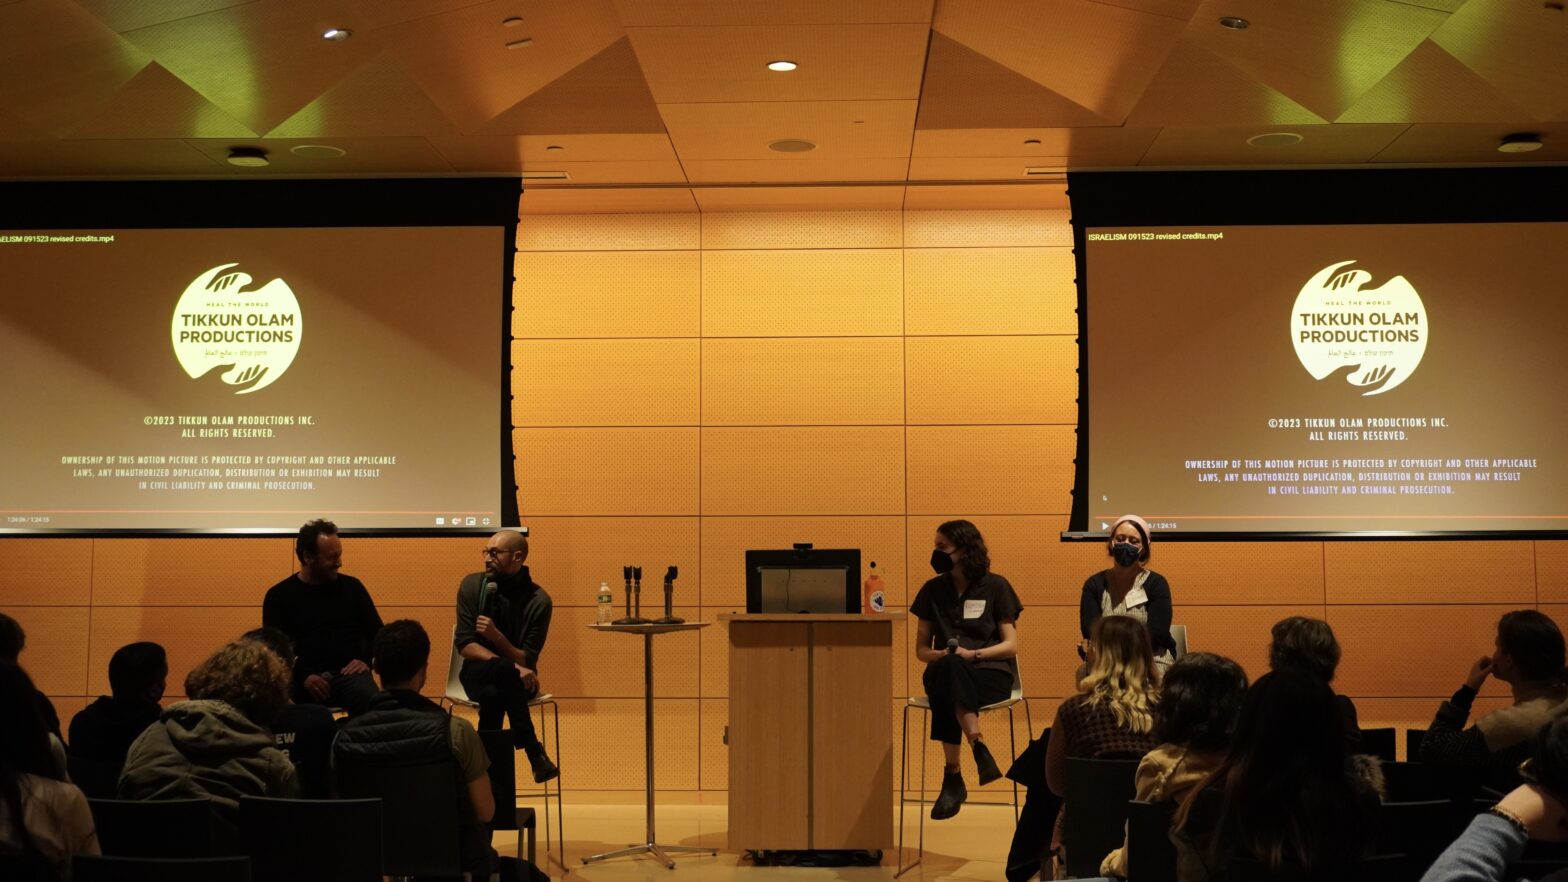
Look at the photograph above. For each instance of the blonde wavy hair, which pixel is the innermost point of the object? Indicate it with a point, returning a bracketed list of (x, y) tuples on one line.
[(247, 675), (1122, 676)]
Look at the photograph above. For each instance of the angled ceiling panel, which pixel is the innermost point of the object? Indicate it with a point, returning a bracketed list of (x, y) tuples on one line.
[(58, 64), (1223, 145), (1324, 55), (604, 94), (675, 13), (1431, 86), (836, 62), (380, 98), (1521, 48), (128, 15), (1097, 55), (966, 90), (743, 131), (1196, 87), (154, 104)]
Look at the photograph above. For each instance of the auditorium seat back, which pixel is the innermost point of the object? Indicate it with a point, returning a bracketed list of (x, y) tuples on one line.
[(1151, 856), (1095, 799), (155, 828), (85, 868), (312, 840), (420, 808)]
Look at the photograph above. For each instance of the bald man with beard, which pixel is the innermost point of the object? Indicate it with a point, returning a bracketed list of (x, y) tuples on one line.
[(500, 634)]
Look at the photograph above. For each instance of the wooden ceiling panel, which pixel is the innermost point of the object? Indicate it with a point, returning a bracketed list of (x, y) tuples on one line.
[(1227, 145), (1011, 142), (378, 99), (1323, 55), (87, 159), (390, 156), (764, 171), (606, 93), (1097, 55), (514, 150), (966, 90), (156, 103), (58, 64), (666, 171), (836, 62), (1178, 9), (743, 131), (1431, 86), (128, 15), (1196, 87), (1473, 143), (259, 62), (881, 198), (985, 196), (642, 200), (676, 13), (1010, 168), (1521, 48), (461, 58), (14, 128)]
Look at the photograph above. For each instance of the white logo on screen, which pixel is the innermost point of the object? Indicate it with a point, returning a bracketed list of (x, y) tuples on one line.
[(253, 334), (1374, 336)]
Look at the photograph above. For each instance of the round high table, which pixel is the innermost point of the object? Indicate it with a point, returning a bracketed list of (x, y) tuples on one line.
[(660, 853)]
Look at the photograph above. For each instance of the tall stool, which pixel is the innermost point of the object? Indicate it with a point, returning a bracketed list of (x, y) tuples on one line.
[(457, 696), (921, 703)]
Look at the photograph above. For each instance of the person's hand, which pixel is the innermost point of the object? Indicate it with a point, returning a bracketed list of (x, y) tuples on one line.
[(965, 654), (1479, 672), (318, 687), (1544, 817), (529, 677), (486, 628), (355, 667)]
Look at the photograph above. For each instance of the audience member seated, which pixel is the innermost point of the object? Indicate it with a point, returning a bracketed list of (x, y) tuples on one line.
[(103, 731), (217, 744), (1112, 715), (329, 617), (1533, 811), (1286, 793), (402, 727), (302, 731), (43, 818), (1308, 645), (1528, 657), (12, 641), (1194, 720)]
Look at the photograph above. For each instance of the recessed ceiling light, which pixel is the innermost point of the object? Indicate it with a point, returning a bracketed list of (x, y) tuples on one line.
[(519, 44), (248, 157), (1519, 142), (317, 151), (1234, 23), (792, 145), (1274, 139), (515, 21), (782, 65), (336, 35), (1032, 141)]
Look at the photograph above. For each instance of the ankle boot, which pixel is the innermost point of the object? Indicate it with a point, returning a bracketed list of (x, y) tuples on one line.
[(952, 797), (984, 763)]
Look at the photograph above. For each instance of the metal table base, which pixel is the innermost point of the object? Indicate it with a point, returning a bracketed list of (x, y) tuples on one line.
[(660, 853)]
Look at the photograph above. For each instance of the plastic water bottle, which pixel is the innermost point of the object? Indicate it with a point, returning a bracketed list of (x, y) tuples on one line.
[(876, 597), (606, 602)]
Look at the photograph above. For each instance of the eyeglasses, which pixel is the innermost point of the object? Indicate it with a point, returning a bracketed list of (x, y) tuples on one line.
[(494, 552)]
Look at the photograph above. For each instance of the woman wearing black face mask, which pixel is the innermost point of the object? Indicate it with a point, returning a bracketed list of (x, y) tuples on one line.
[(968, 640), (1129, 588)]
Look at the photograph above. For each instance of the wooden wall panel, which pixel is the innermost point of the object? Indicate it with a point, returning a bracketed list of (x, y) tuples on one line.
[(1551, 570), (438, 622), (1393, 651), (55, 653), (954, 380), (990, 470), (602, 743), (46, 572), (801, 229), (802, 293), (1242, 633), (990, 291), (987, 229), (411, 571), (714, 771), (803, 381), (571, 556), (1234, 573), (1026, 549), (583, 663), (189, 572), (187, 633), (1430, 572), (626, 382), (725, 541), (607, 294), (609, 232), (607, 471), (802, 470)]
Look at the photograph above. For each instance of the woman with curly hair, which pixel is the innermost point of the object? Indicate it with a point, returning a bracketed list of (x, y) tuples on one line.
[(218, 744), (1112, 716), (968, 640)]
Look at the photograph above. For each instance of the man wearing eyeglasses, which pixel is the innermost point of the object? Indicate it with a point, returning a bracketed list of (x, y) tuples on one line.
[(503, 618)]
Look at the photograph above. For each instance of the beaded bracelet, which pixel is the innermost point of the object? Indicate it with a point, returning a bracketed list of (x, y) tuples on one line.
[(1510, 817)]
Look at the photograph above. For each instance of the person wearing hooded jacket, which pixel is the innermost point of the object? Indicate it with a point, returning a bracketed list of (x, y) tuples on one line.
[(217, 744)]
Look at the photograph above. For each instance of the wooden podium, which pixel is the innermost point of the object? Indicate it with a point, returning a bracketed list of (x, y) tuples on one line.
[(810, 734)]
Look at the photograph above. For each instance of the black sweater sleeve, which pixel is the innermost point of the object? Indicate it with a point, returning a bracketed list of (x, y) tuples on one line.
[(1447, 742)]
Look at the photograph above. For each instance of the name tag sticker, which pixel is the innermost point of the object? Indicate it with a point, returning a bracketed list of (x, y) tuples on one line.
[(974, 609)]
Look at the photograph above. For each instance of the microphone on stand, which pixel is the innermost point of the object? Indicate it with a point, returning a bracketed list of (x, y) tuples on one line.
[(669, 594)]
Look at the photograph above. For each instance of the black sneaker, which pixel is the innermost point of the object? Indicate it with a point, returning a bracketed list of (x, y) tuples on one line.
[(952, 797), (985, 764), (544, 770)]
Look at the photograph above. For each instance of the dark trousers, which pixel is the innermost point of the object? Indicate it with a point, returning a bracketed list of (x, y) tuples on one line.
[(496, 685), (953, 684), (352, 692)]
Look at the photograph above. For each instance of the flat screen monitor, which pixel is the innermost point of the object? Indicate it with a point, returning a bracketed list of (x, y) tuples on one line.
[(804, 580)]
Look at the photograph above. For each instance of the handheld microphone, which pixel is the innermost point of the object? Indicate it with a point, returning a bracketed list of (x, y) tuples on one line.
[(487, 598), (952, 645)]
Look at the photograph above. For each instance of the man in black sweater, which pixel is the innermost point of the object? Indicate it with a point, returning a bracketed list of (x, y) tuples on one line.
[(500, 633), (103, 731), (331, 620)]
